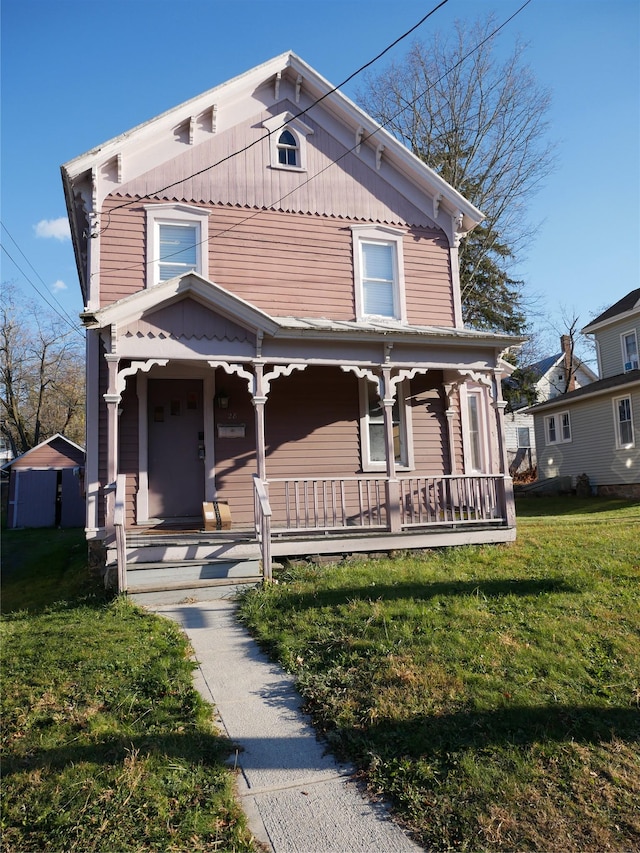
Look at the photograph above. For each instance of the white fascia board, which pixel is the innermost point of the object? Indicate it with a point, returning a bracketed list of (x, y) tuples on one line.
[(632, 313), (210, 294), (395, 151), (43, 444)]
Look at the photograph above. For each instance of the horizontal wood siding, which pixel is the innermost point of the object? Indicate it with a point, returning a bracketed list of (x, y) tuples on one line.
[(430, 436), (592, 450), (610, 346), (287, 264), (235, 458), (55, 454)]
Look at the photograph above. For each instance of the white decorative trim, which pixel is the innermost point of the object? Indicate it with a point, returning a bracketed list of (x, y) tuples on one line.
[(379, 153), (276, 87), (298, 87), (436, 206), (136, 367), (239, 370), (361, 373), (359, 135), (214, 118), (279, 370)]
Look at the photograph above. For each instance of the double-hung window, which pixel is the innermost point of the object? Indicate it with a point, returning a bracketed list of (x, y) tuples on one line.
[(177, 241), (379, 273), (557, 428), (629, 351), (373, 432), (623, 415)]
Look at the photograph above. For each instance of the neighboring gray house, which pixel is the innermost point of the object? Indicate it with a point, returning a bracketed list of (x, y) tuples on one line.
[(595, 430), (556, 374)]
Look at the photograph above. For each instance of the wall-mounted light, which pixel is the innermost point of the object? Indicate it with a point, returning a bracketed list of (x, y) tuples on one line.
[(222, 400)]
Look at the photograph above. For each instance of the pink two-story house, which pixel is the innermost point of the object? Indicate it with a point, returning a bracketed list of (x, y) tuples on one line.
[(274, 327)]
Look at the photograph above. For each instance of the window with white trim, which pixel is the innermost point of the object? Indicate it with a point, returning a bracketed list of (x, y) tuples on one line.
[(524, 437), (557, 428), (474, 431), (177, 241), (287, 142), (629, 350), (372, 428), (379, 273), (623, 415)]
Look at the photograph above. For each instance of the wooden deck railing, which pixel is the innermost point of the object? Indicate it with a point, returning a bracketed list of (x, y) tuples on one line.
[(452, 499), (263, 524), (331, 504)]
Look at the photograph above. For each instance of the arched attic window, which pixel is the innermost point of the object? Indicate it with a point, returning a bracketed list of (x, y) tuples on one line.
[(288, 149), (287, 142)]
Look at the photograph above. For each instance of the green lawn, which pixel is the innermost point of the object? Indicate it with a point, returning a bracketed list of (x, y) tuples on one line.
[(106, 746), (491, 693)]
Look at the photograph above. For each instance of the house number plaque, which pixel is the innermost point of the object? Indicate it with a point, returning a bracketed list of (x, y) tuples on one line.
[(231, 430)]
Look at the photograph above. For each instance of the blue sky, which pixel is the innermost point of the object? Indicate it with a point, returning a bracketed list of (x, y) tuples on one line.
[(76, 73)]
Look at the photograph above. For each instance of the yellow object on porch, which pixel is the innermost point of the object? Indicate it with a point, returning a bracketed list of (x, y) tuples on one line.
[(216, 515)]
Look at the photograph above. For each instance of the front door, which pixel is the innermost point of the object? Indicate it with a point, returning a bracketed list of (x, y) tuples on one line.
[(176, 448)]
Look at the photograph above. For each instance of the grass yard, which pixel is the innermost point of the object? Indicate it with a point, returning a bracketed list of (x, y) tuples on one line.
[(106, 746), (493, 694)]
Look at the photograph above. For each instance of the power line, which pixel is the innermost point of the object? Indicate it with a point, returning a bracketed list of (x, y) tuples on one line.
[(296, 116), (333, 162), (60, 313)]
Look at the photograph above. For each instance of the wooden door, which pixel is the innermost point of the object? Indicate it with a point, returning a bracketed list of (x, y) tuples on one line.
[(176, 448)]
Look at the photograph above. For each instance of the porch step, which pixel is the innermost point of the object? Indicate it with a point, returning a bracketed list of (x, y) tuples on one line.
[(177, 593), (172, 582)]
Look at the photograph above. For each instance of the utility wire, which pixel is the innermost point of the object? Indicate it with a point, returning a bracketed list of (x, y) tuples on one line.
[(333, 162), (60, 313), (297, 115)]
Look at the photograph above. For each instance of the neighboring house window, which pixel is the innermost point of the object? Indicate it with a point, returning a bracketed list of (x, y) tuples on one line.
[(379, 272), (557, 428), (288, 149), (177, 241), (524, 437), (372, 428), (629, 351), (287, 144), (624, 422)]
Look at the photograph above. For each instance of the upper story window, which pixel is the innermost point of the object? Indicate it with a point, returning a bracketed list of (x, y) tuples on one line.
[(288, 149), (287, 142), (557, 428), (624, 423), (177, 241), (629, 350), (379, 272)]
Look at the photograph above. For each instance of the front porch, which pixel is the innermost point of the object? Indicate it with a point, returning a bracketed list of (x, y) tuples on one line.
[(306, 518)]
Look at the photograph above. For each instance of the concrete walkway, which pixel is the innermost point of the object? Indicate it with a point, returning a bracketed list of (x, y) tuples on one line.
[(296, 798)]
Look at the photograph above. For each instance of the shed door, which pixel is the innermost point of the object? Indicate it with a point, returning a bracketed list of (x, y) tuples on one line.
[(35, 496), (176, 448)]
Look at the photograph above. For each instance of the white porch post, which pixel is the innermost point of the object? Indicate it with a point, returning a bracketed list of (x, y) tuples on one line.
[(499, 406), (393, 484), (259, 399), (449, 390), (112, 399)]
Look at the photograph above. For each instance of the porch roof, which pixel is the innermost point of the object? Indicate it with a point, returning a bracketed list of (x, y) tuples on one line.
[(218, 300)]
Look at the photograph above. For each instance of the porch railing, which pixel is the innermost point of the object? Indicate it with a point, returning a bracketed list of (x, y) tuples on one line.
[(119, 531), (452, 499), (334, 504), (327, 503), (263, 524)]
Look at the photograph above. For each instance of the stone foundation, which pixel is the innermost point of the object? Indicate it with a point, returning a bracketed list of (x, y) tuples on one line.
[(628, 491)]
